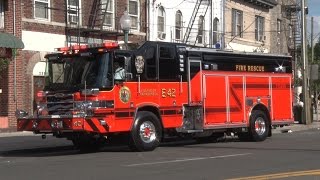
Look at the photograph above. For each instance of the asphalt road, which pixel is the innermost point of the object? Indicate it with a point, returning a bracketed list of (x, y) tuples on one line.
[(284, 156)]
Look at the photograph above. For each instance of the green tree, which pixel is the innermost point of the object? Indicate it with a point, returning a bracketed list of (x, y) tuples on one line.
[(315, 84), (4, 62)]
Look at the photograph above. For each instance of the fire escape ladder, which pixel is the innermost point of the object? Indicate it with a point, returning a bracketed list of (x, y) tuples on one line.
[(204, 14), (94, 13), (72, 24), (191, 22), (296, 28), (98, 14), (103, 10), (296, 21), (294, 10)]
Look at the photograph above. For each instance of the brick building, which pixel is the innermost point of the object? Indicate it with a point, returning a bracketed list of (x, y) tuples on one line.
[(44, 25), (10, 96)]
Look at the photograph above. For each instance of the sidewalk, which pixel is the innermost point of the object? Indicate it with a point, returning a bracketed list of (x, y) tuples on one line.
[(11, 134), (297, 127)]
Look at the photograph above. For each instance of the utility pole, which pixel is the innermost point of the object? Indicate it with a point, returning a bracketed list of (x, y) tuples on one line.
[(315, 93), (312, 50), (305, 68), (210, 28)]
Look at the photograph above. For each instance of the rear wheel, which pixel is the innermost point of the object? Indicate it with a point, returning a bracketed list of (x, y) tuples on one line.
[(146, 132), (259, 126)]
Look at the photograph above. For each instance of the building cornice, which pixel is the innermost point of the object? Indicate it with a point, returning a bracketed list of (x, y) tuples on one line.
[(268, 4)]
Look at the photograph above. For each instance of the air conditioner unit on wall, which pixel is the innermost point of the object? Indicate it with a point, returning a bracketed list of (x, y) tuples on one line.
[(161, 35)]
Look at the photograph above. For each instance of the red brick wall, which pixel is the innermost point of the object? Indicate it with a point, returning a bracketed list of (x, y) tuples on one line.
[(4, 94), (8, 103)]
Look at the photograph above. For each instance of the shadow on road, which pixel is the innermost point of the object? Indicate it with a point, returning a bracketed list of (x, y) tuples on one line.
[(58, 151), (69, 150), (227, 143)]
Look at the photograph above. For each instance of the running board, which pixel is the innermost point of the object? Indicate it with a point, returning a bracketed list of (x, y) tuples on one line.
[(189, 131)]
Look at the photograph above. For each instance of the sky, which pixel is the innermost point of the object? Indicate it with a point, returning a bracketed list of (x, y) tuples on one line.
[(314, 10)]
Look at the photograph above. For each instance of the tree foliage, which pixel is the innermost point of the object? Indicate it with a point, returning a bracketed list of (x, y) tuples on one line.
[(315, 84), (4, 62)]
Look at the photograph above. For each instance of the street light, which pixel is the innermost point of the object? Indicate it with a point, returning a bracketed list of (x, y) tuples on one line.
[(125, 22)]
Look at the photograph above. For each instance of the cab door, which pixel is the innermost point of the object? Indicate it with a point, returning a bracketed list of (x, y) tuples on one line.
[(194, 82)]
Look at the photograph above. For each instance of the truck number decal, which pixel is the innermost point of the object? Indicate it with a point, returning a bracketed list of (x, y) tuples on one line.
[(171, 92)]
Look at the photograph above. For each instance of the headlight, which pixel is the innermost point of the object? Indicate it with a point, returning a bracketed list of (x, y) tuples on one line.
[(42, 110), (21, 113), (83, 105)]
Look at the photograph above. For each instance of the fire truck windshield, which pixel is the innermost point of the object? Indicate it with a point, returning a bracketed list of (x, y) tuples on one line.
[(76, 72)]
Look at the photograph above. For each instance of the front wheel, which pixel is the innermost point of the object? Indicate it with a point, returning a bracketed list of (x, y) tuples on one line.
[(146, 132), (259, 125)]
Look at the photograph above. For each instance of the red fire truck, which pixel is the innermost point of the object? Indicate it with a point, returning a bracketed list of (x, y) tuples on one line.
[(168, 89)]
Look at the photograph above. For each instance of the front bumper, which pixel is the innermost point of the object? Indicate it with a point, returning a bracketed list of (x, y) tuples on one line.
[(51, 124)]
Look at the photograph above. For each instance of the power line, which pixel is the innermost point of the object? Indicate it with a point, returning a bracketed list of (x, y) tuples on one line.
[(243, 29)]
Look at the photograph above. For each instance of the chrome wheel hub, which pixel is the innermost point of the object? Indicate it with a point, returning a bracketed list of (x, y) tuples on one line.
[(260, 126), (147, 132)]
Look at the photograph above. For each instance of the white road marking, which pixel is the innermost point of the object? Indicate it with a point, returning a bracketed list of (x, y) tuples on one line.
[(5, 162), (185, 160)]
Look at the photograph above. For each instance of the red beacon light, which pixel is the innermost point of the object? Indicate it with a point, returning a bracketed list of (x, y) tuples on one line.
[(63, 49), (105, 45), (79, 47), (41, 96), (111, 45)]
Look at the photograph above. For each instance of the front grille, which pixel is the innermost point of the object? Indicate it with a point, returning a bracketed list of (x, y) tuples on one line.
[(60, 104)]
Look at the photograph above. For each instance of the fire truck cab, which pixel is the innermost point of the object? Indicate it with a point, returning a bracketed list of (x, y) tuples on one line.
[(166, 89)]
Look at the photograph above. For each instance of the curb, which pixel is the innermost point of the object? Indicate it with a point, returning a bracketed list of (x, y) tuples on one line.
[(297, 127), (13, 134)]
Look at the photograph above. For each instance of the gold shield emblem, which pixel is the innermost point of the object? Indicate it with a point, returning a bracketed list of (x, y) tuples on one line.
[(125, 94)]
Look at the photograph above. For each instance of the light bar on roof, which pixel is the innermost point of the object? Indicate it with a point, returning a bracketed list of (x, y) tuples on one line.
[(79, 47)]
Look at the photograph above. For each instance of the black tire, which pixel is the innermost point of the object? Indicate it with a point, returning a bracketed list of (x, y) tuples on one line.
[(146, 132), (259, 126)]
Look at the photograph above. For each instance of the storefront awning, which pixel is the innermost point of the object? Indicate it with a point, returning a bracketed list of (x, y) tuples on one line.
[(10, 41)]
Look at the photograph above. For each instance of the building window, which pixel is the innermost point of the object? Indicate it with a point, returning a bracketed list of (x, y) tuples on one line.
[(1, 14), (290, 39), (161, 23), (201, 30), (290, 31), (237, 23), (168, 65), (178, 32), (41, 9), (259, 30), (134, 13), (215, 30), (278, 31), (108, 7), (74, 11)]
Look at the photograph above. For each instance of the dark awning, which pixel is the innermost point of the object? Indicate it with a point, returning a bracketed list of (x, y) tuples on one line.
[(10, 41)]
